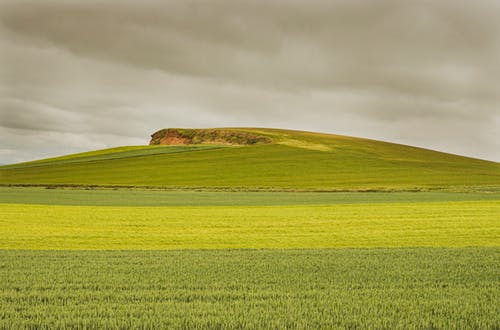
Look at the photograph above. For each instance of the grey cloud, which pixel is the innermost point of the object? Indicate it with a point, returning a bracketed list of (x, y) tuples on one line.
[(388, 69)]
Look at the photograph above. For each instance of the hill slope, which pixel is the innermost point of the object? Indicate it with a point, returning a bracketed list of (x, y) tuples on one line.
[(289, 160)]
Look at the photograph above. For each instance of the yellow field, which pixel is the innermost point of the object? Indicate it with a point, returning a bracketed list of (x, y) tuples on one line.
[(450, 224)]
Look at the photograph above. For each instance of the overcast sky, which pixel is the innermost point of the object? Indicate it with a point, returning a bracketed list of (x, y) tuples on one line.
[(82, 75)]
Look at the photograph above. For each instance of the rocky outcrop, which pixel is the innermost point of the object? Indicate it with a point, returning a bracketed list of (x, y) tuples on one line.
[(181, 136)]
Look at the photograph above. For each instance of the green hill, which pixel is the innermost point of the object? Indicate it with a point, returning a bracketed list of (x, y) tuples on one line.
[(262, 159)]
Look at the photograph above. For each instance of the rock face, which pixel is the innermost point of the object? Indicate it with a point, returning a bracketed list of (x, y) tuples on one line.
[(181, 136)]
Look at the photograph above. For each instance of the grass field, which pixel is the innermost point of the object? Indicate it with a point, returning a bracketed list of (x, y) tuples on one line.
[(94, 259), (142, 197), (251, 237), (416, 288), (295, 161)]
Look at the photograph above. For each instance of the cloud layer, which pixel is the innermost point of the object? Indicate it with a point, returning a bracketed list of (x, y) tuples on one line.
[(79, 75)]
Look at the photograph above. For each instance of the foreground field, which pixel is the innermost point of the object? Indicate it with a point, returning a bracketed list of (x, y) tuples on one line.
[(450, 224), (419, 288), (248, 260)]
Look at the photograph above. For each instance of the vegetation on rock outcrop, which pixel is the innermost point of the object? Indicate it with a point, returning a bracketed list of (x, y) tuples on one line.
[(176, 136)]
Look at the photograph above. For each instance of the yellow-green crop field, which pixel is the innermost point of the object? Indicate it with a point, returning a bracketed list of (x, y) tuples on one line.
[(87, 259), (414, 288), (54, 227)]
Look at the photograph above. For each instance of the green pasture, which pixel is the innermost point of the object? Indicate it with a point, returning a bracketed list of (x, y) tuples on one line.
[(436, 224), (294, 161), (151, 197), (416, 288)]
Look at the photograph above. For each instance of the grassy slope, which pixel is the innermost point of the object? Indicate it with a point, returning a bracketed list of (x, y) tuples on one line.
[(297, 160), (111, 153)]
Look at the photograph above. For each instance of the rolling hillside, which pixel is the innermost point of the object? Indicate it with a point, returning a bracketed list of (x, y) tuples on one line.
[(277, 160)]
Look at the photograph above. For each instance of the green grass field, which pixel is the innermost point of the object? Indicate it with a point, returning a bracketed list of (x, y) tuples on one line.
[(252, 237), (294, 161), (417, 288), (232, 263), (149, 197)]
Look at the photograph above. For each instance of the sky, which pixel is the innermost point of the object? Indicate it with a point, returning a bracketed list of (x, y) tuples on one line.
[(84, 75)]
